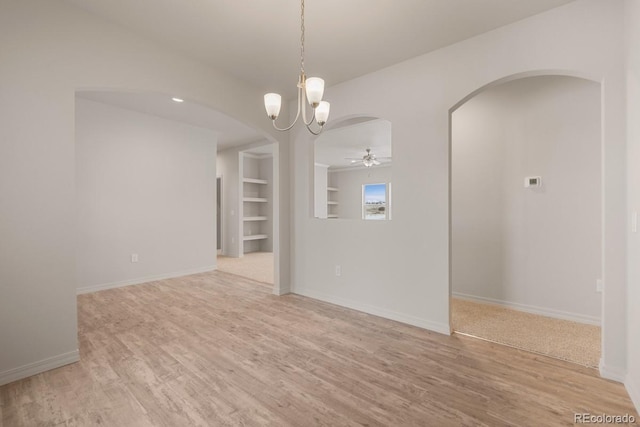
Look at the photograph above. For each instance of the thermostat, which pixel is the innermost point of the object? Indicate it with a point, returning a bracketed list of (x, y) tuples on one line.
[(533, 181)]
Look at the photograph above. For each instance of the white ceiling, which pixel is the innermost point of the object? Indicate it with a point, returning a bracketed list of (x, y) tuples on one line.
[(230, 131), (261, 150), (258, 41), (334, 147)]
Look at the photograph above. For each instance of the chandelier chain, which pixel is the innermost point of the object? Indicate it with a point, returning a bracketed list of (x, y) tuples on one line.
[(311, 88), (302, 37)]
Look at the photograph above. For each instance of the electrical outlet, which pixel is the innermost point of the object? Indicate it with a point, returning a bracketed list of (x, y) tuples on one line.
[(338, 271), (134, 257), (599, 285)]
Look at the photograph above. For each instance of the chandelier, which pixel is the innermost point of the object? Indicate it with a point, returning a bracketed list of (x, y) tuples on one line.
[(310, 89)]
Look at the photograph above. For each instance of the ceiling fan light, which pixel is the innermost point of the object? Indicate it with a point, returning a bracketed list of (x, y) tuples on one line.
[(272, 103), (368, 162), (322, 112), (315, 89)]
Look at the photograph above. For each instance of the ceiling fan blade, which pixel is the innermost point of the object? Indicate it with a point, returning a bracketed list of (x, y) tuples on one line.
[(376, 162)]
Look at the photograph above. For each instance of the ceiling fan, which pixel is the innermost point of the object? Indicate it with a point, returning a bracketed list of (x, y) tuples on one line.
[(368, 160)]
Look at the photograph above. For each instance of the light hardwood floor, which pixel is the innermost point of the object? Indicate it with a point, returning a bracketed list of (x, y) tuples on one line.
[(214, 349)]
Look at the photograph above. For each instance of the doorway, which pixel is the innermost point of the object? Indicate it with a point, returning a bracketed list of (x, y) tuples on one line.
[(253, 252), (526, 216)]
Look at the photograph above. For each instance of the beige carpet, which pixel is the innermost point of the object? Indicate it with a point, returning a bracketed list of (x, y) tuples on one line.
[(562, 339), (255, 265)]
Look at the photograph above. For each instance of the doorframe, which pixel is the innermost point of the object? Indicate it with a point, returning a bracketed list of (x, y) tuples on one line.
[(220, 217), (275, 223)]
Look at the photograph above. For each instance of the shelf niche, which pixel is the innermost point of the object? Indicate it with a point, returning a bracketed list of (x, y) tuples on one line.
[(257, 202), (326, 195)]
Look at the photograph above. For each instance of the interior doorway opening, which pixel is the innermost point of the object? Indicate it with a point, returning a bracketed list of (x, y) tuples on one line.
[(526, 216), (253, 211)]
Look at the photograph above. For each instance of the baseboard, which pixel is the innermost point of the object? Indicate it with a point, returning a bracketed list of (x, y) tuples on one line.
[(40, 366), (556, 314), (613, 374), (634, 392), (140, 280), (376, 311)]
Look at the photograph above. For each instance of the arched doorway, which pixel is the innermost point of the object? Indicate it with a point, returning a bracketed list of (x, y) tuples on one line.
[(525, 160)]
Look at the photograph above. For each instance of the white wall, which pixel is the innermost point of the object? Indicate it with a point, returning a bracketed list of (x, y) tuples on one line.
[(349, 183), (412, 284), (632, 17), (227, 165), (478, 160), (49, 50), (320, 184), (537, 249), (145, 185)]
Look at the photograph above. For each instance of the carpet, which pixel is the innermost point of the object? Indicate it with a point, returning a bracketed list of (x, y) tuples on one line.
[(562, 339), (254, 265)]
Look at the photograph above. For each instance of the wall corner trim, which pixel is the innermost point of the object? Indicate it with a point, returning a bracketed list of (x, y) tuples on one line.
[(140, 280), (441, 328), (612, 373), (38, 367), (634, 392)]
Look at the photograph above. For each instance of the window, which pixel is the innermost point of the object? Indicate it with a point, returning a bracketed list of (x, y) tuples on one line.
[(375, 201)]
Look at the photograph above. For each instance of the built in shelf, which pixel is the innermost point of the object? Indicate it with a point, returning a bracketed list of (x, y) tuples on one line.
[(332, 216), (255, 218), (331, 202), (332, 189), (255, 237), (254, 181), (255, 199)]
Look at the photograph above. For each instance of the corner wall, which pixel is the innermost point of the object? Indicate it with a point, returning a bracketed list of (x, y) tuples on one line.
[(581, 38), (228, 168), (50, 49), (146, 185)]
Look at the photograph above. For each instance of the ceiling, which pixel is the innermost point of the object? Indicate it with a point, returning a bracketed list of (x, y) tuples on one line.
[(258, 42), (261, 150), (230, 131), (336, 146)]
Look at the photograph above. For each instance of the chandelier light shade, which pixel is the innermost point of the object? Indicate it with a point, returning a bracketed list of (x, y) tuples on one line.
[(315, 88), (272, 103), (322, 112), (310, 90)]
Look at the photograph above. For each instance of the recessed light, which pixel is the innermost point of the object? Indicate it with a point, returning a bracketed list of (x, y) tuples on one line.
[(178, 99)]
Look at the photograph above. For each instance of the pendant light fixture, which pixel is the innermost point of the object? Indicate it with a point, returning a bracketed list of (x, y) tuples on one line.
[(310, 89)]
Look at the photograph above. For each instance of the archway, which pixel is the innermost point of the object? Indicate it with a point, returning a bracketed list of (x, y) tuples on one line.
[(512, 239), (202, 123)]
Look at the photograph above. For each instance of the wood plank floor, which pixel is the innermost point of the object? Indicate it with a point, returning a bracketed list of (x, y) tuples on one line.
[(214, 349)]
